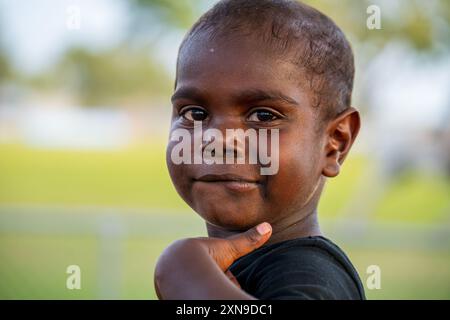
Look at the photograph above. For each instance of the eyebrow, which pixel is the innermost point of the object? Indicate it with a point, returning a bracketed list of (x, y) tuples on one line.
[(247, 96), (190, 93)]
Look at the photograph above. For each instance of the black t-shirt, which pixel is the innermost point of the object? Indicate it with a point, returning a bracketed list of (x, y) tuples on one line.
[(303, 268)]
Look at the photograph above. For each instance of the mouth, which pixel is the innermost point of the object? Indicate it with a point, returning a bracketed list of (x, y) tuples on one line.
[(232, 182)]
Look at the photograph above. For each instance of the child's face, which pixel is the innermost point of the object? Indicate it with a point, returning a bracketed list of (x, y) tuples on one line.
[(236, 84)]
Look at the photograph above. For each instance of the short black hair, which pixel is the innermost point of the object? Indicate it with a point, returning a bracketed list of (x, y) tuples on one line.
[(296, 31)]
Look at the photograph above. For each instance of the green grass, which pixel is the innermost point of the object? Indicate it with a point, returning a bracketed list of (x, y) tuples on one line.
[(407, 273), (33, 264), (134, 177), (416, 198)]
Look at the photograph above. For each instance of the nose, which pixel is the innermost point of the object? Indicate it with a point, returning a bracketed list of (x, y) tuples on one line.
[(228, 134)]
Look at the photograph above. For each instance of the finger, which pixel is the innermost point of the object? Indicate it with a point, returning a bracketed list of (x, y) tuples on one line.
[(232, 278), (250, 240)]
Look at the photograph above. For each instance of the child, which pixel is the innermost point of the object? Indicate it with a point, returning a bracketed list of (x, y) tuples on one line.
[(262, 64)]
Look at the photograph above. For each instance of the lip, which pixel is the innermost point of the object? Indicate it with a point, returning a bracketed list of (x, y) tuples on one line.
[(231, 181)]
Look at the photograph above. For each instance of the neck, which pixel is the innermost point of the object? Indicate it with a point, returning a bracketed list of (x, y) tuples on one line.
[(305, 226), (297, 226)]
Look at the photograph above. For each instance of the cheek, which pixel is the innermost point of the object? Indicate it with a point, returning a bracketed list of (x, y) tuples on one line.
[(179, 176), (298, 173)]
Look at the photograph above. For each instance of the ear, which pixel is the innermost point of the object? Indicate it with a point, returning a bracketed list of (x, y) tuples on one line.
[(340, 135)]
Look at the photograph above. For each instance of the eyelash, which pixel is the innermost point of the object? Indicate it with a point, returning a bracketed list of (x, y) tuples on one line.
[(275, 115), (183, 112)]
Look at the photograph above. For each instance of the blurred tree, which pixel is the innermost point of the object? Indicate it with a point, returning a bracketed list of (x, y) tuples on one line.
[(116, 77), (422, 24), (5, 69), (128, 74), (170, 13)]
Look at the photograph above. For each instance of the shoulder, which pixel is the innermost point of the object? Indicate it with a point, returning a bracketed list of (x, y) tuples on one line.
[(307, 268)]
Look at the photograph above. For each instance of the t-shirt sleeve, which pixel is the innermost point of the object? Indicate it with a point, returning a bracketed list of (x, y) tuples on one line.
[(312, 275)]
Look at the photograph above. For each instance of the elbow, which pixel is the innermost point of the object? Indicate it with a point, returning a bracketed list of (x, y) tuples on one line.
[(167, 268)]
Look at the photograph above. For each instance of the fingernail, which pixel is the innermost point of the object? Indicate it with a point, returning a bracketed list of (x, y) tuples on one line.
[(263, 228)]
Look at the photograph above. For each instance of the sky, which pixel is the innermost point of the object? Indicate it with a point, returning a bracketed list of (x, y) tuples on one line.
[(36, 32)]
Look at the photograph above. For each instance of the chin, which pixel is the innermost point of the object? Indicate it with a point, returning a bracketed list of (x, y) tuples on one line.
[(228, 215)]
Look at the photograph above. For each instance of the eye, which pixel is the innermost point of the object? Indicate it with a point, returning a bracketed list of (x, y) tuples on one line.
[(262, 115), (194, 114)]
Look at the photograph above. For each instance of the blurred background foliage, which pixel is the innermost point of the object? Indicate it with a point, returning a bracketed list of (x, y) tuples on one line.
[(115, 77), (100, 79), (83, 178)]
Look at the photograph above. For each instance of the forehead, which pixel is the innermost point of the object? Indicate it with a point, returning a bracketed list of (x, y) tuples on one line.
[(233, 65)]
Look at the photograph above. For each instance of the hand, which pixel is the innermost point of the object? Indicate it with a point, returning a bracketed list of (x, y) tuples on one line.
[(196, 267), (226, 251)]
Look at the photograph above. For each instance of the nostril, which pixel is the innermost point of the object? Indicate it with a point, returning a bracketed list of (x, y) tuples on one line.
[(234, 154)]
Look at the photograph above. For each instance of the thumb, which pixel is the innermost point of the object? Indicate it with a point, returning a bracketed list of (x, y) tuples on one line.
[(250, 240)]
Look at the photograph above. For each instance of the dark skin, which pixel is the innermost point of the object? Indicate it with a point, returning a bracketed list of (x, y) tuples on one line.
[(231, 84)]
